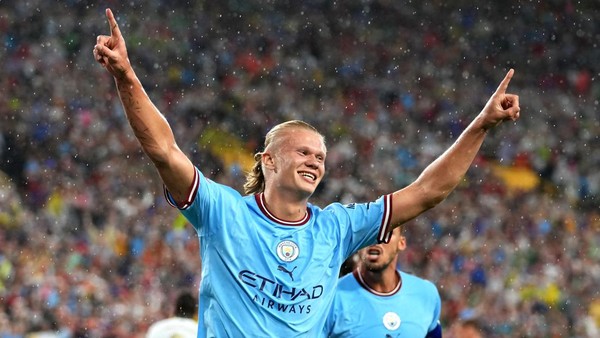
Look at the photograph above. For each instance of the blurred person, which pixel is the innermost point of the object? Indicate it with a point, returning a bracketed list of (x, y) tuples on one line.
[(466, 328), (270, 260), (378, 300), (183, 324)]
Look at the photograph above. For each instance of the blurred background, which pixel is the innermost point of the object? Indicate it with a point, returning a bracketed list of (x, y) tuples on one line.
[(89, 247)]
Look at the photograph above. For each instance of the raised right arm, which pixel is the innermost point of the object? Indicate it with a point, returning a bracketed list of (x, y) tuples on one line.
[(149, 125)]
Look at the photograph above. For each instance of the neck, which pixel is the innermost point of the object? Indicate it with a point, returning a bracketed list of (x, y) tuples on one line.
[(384, 281), (284, 206)]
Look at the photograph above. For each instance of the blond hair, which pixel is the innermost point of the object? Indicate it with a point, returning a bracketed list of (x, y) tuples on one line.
[(255, 178)]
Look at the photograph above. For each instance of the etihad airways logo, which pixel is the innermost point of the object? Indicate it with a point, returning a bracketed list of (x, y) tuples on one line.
[(273, 295)]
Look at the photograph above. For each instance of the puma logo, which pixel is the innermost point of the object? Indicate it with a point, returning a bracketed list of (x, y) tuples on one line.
[(282, 268)]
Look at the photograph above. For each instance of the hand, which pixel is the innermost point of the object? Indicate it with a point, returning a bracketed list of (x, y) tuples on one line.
[(501, 106), (110, 51)]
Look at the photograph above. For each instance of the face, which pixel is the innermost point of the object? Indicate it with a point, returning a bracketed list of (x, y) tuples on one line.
[(296, 162), (379, 257)]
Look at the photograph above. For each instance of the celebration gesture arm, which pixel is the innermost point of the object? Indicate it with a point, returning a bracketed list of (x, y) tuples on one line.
[(440, 178), (111, 52), (149, 125)]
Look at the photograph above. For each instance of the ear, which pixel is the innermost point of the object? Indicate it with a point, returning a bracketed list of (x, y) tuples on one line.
[(401, 243), (268, 161)]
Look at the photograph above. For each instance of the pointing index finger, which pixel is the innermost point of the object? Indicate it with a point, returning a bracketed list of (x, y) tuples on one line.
[(114, 28), (504, 84)]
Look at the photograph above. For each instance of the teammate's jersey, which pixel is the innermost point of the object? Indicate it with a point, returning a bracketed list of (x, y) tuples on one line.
[(175, 327), (266, 277), (412, 310)]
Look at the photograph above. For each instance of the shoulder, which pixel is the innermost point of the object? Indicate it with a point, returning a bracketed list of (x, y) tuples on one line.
[(209, 184), (347, 293), (348, 207), (412, 280), (330, 213), (347, 283), (226, 189), (339, 210), (378, 206), (333, 207)]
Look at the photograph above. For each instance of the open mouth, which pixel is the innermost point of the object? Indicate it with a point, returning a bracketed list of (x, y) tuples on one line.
[(308, 175), (373, 253)]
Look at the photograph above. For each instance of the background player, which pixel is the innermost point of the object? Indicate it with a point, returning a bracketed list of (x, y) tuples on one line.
[(377, 300)]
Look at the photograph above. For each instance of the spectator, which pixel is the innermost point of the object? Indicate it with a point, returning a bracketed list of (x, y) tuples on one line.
[(183, 323)]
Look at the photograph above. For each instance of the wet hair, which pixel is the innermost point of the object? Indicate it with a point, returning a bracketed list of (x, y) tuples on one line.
[(186, 305), (255, 178)]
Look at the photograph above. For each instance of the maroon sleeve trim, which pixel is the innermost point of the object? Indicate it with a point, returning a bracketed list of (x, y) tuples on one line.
[(385, 229), (190, 198)]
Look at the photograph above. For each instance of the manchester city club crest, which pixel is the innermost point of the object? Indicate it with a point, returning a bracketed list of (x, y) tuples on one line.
[(391, 321), (287, 251)]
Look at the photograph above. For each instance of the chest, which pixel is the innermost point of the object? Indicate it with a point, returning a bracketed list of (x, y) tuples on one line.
[(396, 316), (272, 254)]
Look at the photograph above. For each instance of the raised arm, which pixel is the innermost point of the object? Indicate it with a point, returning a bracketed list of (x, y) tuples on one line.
[(148, 124), (443, 175)]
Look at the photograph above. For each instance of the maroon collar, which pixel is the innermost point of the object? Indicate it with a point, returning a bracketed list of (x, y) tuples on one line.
[(361, 281), (262, 205)]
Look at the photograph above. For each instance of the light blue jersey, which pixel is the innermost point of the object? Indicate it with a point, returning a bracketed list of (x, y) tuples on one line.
[(411, 310), (266, 277)]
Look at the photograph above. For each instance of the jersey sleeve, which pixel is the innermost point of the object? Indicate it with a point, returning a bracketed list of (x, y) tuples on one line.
[(364, 224), (206, 201), (193, 190)]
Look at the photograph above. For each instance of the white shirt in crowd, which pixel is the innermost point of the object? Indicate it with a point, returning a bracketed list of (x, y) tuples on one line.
[(175, 327)]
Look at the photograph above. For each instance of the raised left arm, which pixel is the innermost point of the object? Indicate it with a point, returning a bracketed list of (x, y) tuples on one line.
[(442, 176)]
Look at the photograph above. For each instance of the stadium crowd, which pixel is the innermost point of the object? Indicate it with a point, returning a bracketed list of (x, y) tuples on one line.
[(89, 247)]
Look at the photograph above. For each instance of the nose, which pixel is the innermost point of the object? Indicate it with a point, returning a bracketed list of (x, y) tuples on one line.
[(312, 162), (312, 165)]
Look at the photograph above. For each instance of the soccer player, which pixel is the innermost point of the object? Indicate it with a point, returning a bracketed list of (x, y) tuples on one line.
[(377, 300), (270, 259), (184, 322)]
